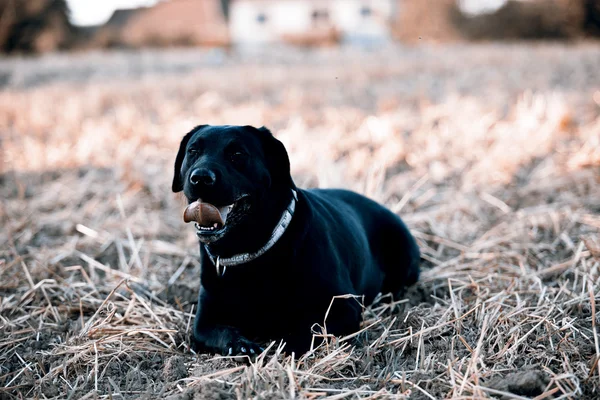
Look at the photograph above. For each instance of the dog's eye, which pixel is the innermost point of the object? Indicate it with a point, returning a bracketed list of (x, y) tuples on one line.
[(236, 157), (193, 152)]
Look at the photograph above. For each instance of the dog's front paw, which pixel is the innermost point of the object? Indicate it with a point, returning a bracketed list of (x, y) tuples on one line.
[(240, 346), (225, 341)]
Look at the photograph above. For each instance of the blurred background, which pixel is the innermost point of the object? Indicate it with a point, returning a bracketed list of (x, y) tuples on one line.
[(477, 121), (38, 26)]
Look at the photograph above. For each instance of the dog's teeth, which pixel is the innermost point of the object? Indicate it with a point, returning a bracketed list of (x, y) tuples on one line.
[(208, 228), (215, 225)]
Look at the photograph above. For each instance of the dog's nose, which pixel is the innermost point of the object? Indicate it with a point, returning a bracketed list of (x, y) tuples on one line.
[(203, 176)]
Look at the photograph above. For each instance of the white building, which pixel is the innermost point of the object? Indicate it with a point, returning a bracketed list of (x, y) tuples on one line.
[(260, 21)]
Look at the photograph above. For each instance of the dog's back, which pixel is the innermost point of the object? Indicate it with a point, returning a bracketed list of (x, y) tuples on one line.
[(390, 242)]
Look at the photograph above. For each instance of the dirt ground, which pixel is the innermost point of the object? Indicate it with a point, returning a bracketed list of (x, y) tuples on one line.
[(490, 153)]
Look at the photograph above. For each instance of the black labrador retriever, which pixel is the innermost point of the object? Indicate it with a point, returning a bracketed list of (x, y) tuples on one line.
[(273, 256)]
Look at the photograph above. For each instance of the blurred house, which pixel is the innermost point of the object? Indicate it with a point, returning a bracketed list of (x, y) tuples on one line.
[(417, 21), (309, 21), (168, 23)]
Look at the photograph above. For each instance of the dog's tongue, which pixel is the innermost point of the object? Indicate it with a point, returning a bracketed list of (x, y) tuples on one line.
[(205, 214)]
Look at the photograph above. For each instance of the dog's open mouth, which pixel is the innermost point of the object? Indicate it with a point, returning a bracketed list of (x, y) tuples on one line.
[(209, 219)]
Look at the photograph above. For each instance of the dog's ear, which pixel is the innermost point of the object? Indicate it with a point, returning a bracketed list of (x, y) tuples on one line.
[(177, 179), (277, 158)]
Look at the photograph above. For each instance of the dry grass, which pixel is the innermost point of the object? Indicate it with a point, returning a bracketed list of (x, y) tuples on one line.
[(490, 153)]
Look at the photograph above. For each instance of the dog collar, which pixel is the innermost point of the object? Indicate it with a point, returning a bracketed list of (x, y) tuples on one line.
[(221, 263)]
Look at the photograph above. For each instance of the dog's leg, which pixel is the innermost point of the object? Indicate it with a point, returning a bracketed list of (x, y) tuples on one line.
[(344, 316), (209, 336), (299, 341), (399, 256)]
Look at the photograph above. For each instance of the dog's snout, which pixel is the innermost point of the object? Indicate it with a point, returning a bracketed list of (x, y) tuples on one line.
[(203, 176)]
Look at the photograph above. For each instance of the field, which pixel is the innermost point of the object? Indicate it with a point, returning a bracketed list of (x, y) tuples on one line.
[(490, 153)]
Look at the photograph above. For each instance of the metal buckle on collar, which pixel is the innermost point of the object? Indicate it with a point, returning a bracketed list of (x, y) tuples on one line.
[(220, 268)]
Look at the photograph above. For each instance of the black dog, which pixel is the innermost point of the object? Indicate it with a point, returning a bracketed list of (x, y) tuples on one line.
[(273, 256)]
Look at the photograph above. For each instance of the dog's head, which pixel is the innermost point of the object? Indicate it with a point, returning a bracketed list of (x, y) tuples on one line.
[(232, 169)]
